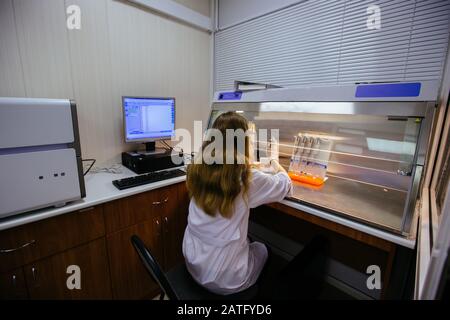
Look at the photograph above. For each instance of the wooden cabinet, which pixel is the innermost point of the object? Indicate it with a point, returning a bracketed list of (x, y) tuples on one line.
[(129, 278), (170, 215), (156, 217), (129, 211), (182, 212), (34, 258), (47, 278), (31, 242)]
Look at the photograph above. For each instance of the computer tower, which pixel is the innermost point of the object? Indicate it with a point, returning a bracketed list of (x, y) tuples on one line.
[(143, 163)]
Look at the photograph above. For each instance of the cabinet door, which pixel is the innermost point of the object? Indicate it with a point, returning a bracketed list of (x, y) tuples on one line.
[(174, 219), (49, 278), (13, 286), (183, 207), (135, 209), (130, 279), (128, 211), (35, 241)]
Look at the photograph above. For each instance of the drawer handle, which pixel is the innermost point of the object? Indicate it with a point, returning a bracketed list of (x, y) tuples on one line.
[(157, 203), (166, 222), (158, 228), (34, 271), (18, 248)]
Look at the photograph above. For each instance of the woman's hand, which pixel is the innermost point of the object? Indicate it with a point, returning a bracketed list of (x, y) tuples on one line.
[(276, 166)]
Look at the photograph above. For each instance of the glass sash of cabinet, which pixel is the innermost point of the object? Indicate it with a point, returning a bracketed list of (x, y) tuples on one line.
[(373, 153)]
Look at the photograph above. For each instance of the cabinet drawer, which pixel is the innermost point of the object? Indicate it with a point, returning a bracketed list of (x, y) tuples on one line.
[(51, 278), (145, 206), (31, 242)]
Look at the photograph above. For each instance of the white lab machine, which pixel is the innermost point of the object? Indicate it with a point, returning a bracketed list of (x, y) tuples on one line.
[(40, 155)]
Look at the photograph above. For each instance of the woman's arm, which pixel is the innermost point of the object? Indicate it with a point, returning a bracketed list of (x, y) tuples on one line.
[(266, 188)]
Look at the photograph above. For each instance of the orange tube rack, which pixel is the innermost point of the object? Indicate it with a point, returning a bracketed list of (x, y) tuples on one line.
[(316, 181)]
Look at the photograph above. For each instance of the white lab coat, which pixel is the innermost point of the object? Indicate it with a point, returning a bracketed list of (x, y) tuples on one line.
[(217, 252)]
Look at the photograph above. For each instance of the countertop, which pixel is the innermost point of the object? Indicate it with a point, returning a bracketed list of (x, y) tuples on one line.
[(99, 189)]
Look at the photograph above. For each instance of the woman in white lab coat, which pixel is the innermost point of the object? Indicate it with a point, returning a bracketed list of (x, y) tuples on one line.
[(218, 254)]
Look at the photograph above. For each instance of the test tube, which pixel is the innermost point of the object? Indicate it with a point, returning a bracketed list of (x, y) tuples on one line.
[(323, 157), (312, 167), (294, 153), (306, 154), (300, 150)]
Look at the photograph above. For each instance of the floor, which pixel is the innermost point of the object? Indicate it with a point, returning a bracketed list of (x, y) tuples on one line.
[(299, 278), (309, 286)]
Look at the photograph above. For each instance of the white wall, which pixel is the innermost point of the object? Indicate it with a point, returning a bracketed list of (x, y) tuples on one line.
[(232, 12), (120, 50), (201, 6)]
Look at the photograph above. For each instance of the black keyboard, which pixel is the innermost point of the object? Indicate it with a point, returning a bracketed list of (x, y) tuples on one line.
[(147, 178)]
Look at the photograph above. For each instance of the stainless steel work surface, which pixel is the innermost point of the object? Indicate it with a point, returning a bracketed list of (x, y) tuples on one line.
[(361, 201)]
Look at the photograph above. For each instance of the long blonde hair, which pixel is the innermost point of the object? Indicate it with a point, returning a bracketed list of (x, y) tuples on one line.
[(214, 187)]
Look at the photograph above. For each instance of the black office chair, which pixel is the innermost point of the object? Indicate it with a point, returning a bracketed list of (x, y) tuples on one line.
[(178, 284)]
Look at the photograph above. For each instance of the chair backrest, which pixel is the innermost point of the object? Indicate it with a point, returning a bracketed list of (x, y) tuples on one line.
[(153, 267)]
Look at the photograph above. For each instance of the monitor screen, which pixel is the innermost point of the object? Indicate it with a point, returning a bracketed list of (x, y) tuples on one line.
[(148, 119)]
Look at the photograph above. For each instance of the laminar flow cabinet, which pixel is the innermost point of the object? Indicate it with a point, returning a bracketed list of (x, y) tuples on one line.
[(368, 141)]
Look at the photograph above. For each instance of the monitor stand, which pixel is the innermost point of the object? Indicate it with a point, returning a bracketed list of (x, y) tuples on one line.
[(150, 149)]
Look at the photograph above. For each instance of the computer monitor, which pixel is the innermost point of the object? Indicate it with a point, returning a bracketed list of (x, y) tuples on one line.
[(148, 119)]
